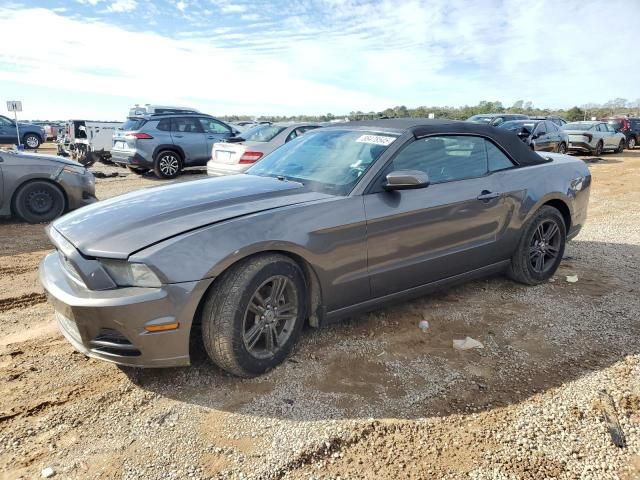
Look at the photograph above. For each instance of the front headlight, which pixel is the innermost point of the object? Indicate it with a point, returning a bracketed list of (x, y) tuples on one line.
[(126, 274)]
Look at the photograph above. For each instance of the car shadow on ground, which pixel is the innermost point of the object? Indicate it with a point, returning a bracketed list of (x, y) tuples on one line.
[(382, 365)]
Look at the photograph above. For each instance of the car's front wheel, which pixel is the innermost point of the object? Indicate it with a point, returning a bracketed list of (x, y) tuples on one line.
[(167, 164), (32, 141), (253, 315), (631, 143), (620, 148), (39, 201), (540, 249)]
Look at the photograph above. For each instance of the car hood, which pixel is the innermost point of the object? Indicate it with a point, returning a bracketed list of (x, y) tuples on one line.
[(123, 225), (44, 158)]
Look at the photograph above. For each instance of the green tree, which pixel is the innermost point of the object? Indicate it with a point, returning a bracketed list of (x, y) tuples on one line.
[(574, 114)]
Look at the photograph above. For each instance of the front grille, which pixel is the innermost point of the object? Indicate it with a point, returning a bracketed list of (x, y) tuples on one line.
[(113, 342)]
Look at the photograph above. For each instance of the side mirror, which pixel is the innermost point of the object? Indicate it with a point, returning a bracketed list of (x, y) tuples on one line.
[(406, 180)]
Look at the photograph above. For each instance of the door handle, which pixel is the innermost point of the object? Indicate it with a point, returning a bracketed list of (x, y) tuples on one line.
[(211, 138), (486, 195), (178, 136)]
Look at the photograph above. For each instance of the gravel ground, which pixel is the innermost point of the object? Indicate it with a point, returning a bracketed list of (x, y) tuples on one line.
[(372, 397)]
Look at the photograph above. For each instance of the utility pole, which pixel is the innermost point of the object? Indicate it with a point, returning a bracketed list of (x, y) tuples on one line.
[(15, 106)]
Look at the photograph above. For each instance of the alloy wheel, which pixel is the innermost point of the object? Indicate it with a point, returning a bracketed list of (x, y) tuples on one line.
[(631, 143), (562, 148), (270, 317), (545, 246), (31, 141), (169, 165)]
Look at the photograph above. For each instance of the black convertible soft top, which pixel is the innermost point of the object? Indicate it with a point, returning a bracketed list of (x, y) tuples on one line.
[(421, 127)]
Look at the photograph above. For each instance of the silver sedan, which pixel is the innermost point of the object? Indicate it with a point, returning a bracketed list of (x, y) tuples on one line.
[(237, 155)]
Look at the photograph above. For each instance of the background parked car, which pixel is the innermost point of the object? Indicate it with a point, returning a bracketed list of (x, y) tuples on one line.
[(168, 142), (542, 135), (236, 155), (594, 137), (553, 118), (496, 119), (630, 127), (38, 188), (32, 135)]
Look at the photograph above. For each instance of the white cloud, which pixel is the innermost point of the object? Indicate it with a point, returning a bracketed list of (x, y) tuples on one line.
[(182, 6), (250, 17), (233, 8), (120, 6)]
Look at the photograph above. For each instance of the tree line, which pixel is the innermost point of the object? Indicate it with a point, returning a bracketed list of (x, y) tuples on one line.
[(617, 106)]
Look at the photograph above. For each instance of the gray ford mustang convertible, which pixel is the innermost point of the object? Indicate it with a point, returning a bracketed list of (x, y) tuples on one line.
[(338, 221)]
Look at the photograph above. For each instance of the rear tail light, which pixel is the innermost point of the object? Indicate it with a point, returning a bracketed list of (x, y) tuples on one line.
[(139, 136), (589, 136), (250, 157)]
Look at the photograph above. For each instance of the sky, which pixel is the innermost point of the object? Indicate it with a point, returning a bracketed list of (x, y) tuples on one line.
[(94, 59)]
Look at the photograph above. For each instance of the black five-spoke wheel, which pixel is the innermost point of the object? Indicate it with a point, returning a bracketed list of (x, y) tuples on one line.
[(39, 201), (545, 246), (541, 247)]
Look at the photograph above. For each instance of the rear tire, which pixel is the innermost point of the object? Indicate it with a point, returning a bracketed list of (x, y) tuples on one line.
[(631, 143), (32, 141), (599, 149), (167, 164), (138, 170), (540, 249), (245, 330), (39, 201), (620, 148), (562, 148)]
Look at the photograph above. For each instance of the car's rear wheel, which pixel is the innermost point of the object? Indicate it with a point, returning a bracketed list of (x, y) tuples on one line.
[(31, 140), (253, 315), (562, 148), (541, 247), (599, 148), (138, 170), (631, 143), (39, 201), (620, 148), (167, 164)]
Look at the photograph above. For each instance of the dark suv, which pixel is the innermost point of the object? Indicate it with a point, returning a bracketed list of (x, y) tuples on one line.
[(167, 142), (629, 126)]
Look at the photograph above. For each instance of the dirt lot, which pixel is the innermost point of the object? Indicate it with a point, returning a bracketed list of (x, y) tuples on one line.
[(373, 397)]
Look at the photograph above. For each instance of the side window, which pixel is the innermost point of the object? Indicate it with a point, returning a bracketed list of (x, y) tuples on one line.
[(541, 129), (186, 125), (5, 122), (552, 127), (497, 159), (444, 158), (497, 121), (610, 129), (164, 125), (601, 127), (299, 131), (212, 126)]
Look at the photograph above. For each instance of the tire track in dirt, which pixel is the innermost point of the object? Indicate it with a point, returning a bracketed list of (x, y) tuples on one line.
[(17, 269), (23, 301)]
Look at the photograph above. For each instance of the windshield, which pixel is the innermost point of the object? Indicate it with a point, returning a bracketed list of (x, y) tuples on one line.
[(480, 118), (330, 161), (132, 124), (578, 126), (518, 125), (262, 133)]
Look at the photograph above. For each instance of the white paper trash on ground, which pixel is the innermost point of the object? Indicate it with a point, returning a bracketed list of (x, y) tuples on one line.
[(467, 344), (572, 278)]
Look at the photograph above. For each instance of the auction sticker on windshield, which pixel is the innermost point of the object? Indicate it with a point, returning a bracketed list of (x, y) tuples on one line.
[(376, 139)]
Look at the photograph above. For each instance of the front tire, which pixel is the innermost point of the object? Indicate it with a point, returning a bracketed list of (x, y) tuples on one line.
[(562, 148), (32, 141), (620, 148), (253, 316), (599, 149), (39, 201), (541, 248), (631, 143), (167, 164)]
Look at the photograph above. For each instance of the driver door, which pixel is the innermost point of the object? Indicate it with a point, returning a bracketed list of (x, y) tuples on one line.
[(7, 131), (415, 237)]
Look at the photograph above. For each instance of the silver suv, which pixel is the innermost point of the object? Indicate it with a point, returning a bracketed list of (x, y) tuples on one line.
[(168, 142)]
